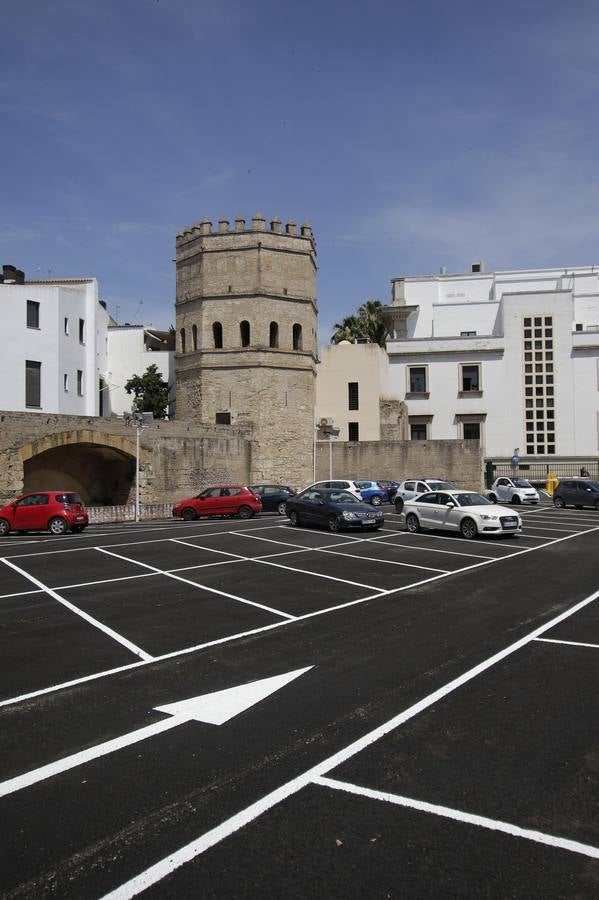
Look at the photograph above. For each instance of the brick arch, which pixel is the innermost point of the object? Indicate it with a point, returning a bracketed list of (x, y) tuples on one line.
[(117, 442)]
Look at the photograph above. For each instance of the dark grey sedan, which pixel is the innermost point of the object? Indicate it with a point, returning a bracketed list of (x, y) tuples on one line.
[(578, 492), (274, 496), (335, 509)]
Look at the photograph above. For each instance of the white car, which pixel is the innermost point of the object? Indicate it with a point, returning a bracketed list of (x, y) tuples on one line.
[(337, 484), (465, 511), (411, 488), (513, 490)]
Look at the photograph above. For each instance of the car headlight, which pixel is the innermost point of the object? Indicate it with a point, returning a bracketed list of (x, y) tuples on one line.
[(492, 518), (349, 515)]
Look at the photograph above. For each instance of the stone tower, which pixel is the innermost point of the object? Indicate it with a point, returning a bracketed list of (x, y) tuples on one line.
[(246, 337)]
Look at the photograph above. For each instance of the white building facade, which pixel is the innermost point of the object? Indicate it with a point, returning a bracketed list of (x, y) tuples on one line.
[(509, 358), (54, 345), (131, 350)]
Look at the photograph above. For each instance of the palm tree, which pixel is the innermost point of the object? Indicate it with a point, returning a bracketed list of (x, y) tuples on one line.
[(373, 325), (349, 329)]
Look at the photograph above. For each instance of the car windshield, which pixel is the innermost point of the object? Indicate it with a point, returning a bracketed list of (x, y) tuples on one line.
[(472, 499), (594, 485), (522, 482), (439, 485), (343, 497)]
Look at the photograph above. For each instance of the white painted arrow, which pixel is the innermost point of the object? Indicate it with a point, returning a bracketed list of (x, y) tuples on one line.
[(215, 708)]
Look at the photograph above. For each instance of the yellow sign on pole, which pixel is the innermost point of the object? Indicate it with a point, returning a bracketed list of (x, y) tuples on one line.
[(552, 483)]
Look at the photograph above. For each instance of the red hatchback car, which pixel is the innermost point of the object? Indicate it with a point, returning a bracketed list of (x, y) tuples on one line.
[(222, 500), (55, 511)]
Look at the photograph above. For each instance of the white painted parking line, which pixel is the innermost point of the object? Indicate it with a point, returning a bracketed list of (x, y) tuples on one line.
[(21, 594), (378, 540), (195, 584), (457, 815), (542, 527), (427, 535), (569, 643), (184, 651), (68, 587), (79, 612), (229, 826)]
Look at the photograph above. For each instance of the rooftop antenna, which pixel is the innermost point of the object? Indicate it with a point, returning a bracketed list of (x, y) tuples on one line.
[(139, 306)]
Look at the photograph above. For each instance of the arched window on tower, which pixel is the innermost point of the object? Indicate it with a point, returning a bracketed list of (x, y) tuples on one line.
[(244, 331), (182, 335), (274, 334), (297, 337), (194, 337), (217, 334)]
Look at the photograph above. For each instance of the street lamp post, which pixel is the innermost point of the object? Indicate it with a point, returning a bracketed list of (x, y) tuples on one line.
[(138, 420), (326, 426)]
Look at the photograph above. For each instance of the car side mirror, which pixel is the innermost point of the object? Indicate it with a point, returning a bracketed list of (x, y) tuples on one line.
[(450, 505)]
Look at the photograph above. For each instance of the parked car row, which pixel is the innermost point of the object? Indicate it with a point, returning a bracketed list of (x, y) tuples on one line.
[(339, 503)]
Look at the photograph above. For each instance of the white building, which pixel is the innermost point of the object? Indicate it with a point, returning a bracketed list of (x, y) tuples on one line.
[(510, 358), (131, 350), (62, 353), (54, 344)]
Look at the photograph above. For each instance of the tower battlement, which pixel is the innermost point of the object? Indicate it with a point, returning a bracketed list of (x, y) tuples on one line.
[(257, 224)]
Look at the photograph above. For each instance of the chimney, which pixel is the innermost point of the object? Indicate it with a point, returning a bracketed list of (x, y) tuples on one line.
[(12, 275), (478, 267)]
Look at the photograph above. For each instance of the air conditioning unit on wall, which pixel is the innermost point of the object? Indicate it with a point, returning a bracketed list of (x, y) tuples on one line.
[(322, 423)]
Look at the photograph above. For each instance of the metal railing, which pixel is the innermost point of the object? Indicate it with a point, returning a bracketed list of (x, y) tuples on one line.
[(538, 471)]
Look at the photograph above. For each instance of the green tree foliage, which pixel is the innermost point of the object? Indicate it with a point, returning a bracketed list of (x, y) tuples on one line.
[(150, 392), (367, 325)]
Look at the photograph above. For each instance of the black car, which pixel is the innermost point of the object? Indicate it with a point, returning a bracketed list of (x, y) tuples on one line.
[(389, 486), (334, 508), (274, 496), (577, 492)]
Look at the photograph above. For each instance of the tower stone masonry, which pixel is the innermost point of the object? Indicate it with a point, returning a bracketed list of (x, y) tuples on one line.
[(246, 337)]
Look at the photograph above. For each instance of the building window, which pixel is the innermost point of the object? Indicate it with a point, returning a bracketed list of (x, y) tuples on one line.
[(182, 336), (467, 333), (353, 396), (82, 331), (418, 431), (65, 383), (33, 314), (471, 431), (79, 383), (33, 383), (194, 337), (66, 325), (297, 337), (417, 380), (217, 335), (470, 378), (244, 331), (274, 335), (540, 432), (223, 418), (353, 429)]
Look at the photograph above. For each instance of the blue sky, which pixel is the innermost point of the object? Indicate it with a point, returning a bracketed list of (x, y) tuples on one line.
[(411, 135)]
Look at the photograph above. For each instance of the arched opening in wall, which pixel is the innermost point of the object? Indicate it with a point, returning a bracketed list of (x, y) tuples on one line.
[(217, 335), (194, 337), (274, 334), (182, 335), (244, 331), (104, 476), (297, 337)]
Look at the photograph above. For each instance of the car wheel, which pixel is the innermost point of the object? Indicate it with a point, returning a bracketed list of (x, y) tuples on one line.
[(516, 500), (4, 527), (245, 512), (333, 523), (294, 519), (493, 498), (399, 504), (412, 523), (558, 502), (468, 528), (188, 514), (375, 500), (282, 508), (57, 526)]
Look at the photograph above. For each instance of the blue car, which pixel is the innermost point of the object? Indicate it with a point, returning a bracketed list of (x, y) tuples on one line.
[(372, 492), (390, 486)]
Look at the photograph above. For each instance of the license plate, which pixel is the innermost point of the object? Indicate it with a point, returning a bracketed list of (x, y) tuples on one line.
[(509, 523), (77, 518)]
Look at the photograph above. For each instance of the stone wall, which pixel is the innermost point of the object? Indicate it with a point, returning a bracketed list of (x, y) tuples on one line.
[(460, 462), (96, 456)]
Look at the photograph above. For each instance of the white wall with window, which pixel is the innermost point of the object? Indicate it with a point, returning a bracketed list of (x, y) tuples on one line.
[(508, 358), (41, 349)]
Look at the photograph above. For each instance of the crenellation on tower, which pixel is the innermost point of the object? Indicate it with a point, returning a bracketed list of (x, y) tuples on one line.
[(246, 336)]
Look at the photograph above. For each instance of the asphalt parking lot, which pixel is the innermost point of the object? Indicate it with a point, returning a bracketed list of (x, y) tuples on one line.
[(405, 715)]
